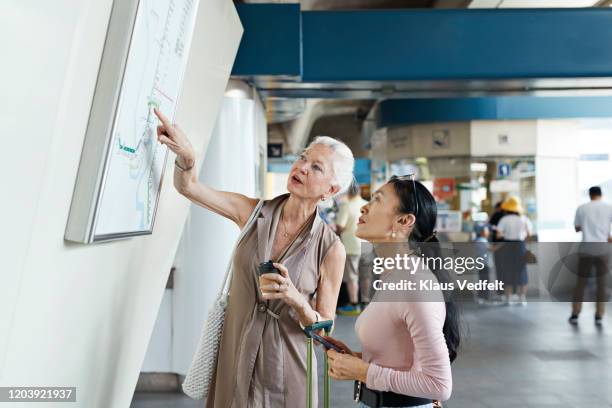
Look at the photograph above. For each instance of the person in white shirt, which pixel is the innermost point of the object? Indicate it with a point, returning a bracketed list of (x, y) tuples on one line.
[(593, 219), (513, 229), (346, 224)]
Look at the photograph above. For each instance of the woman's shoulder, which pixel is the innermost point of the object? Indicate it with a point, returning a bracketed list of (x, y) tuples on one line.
[(271, 204), (328, 238), (274, 201), (328, 232), (508, 218)]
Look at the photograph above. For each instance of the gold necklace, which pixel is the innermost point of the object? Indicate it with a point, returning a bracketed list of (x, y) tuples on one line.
[(284, 232)]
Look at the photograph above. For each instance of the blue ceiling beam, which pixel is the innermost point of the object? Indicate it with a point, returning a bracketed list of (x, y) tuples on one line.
[(402, 112), (271, 44), (450, 44), (457, 44)]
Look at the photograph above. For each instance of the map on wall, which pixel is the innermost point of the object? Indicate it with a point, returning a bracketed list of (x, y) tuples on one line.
[(120, 173), (152, 79)]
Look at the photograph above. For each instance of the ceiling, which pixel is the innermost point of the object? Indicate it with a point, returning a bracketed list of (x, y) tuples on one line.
[(287, 101)]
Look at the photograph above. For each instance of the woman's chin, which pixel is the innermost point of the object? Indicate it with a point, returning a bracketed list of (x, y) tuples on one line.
[(361, 234), (291, 187)]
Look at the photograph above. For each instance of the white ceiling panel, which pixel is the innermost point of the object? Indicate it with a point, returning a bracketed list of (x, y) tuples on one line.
[(547, 3), (484, 3), (532, 3)]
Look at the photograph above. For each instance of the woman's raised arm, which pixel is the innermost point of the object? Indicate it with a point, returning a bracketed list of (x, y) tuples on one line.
[(234, 206)]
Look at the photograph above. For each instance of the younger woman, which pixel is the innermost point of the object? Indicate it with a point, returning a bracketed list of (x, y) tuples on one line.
[(407, 346)]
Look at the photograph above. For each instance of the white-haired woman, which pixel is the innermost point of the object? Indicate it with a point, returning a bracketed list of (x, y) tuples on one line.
[(262, 356)]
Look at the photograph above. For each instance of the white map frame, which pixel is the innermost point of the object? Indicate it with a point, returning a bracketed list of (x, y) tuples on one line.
[(101, 135)]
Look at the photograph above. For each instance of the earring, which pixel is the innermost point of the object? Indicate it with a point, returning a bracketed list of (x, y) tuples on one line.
[(323, 198), (393, 234)]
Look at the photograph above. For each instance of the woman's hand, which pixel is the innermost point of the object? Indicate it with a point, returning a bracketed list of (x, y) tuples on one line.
[(173, 137), (346, 366), (281, 287), (341, 345)]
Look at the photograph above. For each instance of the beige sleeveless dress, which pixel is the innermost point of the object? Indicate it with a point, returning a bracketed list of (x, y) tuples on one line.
[(262, 355)]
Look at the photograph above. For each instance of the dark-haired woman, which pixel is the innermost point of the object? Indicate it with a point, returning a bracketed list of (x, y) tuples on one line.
[(407, 346)]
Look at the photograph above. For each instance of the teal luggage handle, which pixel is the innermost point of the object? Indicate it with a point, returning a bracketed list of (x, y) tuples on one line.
[(326, 326)]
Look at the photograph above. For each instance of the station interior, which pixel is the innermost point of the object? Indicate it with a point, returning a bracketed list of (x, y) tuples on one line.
[(480, 100)]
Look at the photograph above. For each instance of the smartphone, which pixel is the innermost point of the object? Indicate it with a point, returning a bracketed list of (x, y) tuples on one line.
[(326, 343)]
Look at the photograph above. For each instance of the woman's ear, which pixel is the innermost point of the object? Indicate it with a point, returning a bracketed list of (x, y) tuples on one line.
[(333, 190), (405, 222)]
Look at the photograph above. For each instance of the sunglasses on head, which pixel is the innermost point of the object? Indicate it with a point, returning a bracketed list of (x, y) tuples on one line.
[(410, 177)]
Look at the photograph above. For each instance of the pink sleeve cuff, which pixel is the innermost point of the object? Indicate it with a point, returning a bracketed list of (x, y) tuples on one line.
[(377, 378)]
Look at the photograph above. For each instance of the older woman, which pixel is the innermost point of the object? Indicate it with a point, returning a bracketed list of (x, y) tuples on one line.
[(262, 356)]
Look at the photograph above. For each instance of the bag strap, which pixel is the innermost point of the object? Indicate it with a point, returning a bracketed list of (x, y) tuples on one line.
[(247, 227)]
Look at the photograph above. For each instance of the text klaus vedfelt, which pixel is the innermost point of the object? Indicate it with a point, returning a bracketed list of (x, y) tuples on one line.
[(413, 263)]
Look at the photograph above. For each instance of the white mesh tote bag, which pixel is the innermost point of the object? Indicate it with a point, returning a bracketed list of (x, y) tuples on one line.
[(204, 363)]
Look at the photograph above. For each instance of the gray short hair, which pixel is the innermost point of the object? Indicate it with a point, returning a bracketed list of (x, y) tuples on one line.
[(343, 161)]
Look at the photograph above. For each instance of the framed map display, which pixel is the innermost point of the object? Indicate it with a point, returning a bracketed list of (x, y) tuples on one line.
[(121, 168)]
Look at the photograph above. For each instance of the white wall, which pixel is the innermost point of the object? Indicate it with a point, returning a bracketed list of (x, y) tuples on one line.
[(418, 140), (556, 179), (521, 136), (158, 358), (75, 315), (595, 139), (563, 178)]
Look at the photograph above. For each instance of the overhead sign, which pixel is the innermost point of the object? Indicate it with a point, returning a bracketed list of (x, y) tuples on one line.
[(503, 170), (275, 150)]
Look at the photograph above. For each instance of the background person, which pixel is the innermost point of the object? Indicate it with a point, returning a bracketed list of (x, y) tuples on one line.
[(593, 219), (408, 346), (262, 354), (481, 249), (513, 230), (346, 224), (366, 273), (497, 215)]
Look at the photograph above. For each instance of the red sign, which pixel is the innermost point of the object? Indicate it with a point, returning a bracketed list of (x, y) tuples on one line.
[(444, 188)]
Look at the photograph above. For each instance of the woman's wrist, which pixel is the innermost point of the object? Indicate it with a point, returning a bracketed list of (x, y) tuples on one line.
[(186, 161), (363, 374), (306, 314)]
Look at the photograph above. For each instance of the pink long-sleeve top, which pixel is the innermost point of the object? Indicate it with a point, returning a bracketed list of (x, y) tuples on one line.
[(405, 346)]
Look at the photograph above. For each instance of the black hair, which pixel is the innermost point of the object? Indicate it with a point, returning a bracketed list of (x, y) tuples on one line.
[(595, 191), (424, 238)]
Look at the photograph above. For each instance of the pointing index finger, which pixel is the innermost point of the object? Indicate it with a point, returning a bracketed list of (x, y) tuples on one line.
[(164, 120)]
